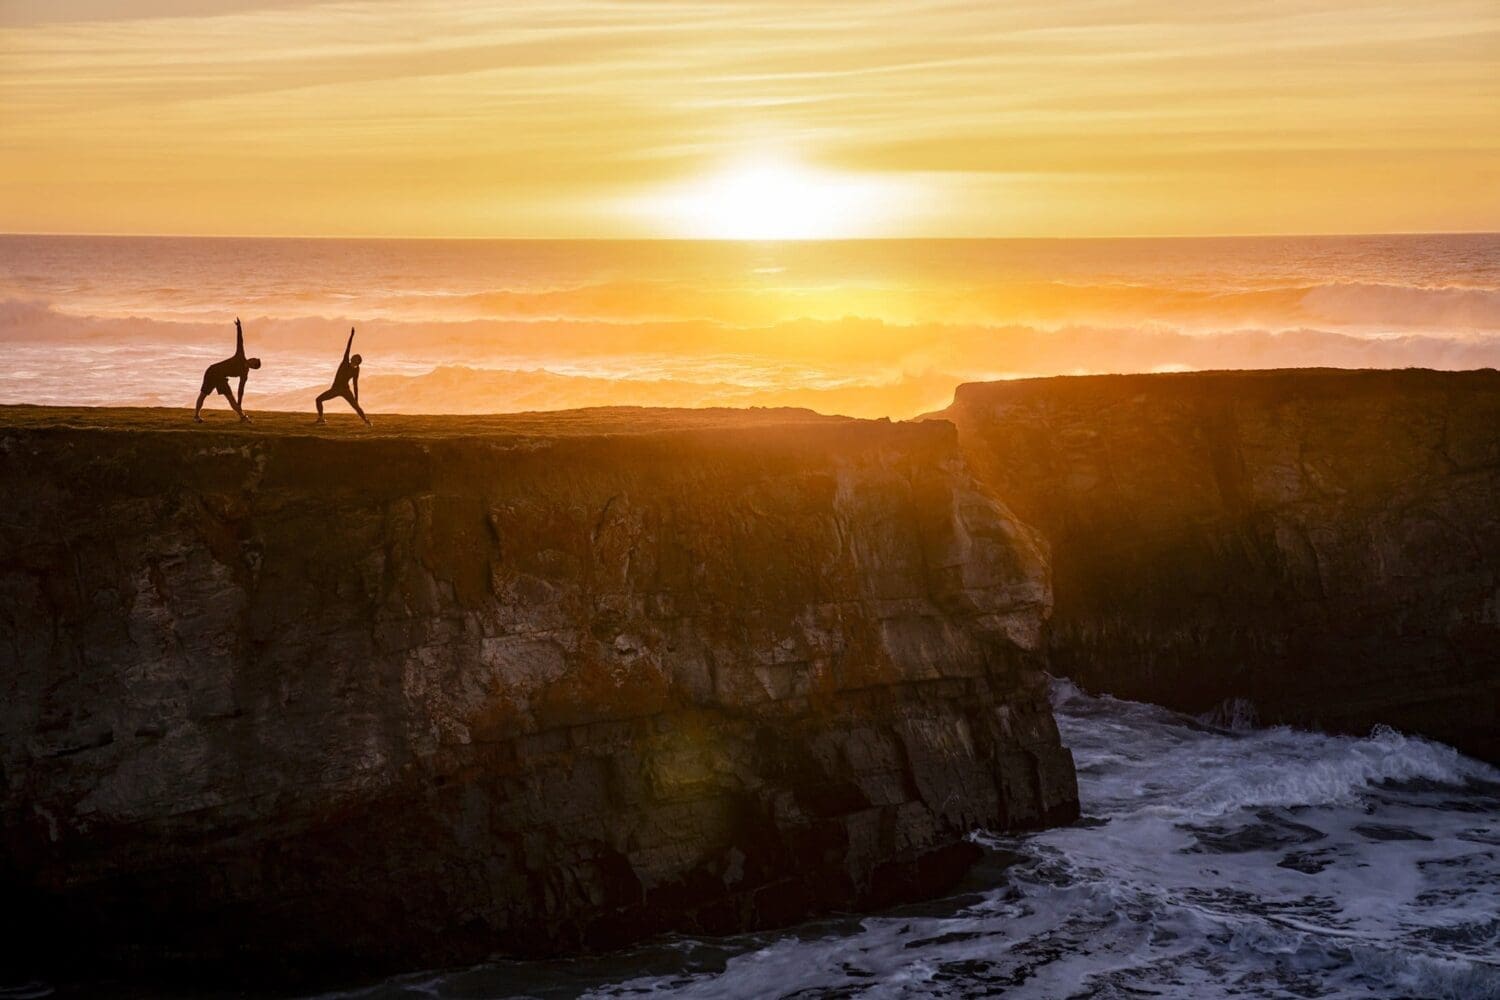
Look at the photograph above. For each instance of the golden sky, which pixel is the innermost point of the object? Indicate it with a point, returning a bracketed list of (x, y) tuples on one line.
[(730, 117)]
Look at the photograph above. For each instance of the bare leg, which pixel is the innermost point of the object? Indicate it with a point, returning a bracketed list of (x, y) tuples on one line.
[(329, 394), (235, 404), (198, 410), (355, 403)]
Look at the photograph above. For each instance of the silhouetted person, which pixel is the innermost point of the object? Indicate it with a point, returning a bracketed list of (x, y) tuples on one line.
[(216, 377), (347, 376)]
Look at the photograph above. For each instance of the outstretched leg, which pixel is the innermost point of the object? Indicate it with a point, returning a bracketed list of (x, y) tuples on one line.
[(349, 396), (234, 404), (329, 394), (198, 410)]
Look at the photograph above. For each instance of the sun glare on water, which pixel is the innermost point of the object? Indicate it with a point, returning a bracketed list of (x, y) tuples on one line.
[(776, 200)]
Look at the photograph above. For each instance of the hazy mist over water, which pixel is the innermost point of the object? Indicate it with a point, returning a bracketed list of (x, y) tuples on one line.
[(867, 328)]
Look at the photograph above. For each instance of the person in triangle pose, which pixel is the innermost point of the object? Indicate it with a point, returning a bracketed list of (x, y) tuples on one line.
[(345, 383), (217, 375)]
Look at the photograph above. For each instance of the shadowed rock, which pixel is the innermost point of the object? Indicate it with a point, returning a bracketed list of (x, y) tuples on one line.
[(1323, 543), (519, 684)]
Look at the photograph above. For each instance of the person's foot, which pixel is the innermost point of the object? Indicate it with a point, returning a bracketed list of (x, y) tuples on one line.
[(368, 422), (245, 419), (319, 422), (197, 419)]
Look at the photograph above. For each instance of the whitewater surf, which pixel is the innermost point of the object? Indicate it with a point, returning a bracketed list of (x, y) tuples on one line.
[(1210, 860)]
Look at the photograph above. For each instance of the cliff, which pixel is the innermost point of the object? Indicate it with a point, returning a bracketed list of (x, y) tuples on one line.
[(456, 686), (1324, 544)]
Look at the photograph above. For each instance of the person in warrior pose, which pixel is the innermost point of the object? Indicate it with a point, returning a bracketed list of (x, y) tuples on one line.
[(217, 375), (347, 376)]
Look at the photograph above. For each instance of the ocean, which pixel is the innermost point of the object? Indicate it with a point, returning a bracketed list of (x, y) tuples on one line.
[(1211, 861), (864, 328)]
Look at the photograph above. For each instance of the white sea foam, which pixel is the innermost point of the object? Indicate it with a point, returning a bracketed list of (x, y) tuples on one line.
[(868, 329), (1210, 863)]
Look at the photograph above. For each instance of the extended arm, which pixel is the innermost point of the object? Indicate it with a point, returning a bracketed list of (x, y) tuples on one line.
[(241, 397), (349, 346), (356, 385), (239, 339)]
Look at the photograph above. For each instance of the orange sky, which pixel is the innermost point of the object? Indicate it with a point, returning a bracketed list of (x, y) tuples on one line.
[(644, 117)]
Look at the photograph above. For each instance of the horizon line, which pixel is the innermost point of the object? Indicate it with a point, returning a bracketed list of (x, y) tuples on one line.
[(831, 239)]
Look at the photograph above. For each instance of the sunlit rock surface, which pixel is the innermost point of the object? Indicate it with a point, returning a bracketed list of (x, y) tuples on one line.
[(1324, 545), (526, 684)]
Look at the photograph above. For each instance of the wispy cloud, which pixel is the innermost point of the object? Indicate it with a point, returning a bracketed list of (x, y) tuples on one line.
[(471, 118)]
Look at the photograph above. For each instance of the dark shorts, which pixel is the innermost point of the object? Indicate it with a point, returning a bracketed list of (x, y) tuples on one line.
[(219, 385)]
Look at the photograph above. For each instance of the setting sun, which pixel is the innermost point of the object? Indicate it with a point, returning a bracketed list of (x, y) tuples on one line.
[(367, 118), (774, 199), (588, 497)]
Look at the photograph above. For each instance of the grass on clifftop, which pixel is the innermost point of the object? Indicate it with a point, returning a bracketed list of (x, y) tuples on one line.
[(559, 423)]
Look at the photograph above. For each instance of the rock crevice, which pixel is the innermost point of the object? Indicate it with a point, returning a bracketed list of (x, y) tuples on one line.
[(1323, 544), (422, 697)]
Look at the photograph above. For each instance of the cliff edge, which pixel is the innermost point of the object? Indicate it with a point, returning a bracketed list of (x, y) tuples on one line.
[(513, 684), (1322, 544)]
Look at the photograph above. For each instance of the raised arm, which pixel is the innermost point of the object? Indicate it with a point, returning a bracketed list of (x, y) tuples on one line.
[(239, 339), (350, 345)]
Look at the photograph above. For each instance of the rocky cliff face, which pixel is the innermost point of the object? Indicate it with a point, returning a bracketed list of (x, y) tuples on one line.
[(1325, 544), (514, 685)]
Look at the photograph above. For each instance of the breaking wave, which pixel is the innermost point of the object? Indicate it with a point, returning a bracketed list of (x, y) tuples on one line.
[(854, 366), (1367, 306), (1209, 862), (877, 328)]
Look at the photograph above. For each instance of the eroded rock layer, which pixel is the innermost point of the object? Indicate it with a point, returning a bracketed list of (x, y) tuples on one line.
[(1323, 544), (512, 685)]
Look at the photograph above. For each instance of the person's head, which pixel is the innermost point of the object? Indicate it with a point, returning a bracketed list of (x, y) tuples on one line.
[(253, 362), (355, 360)]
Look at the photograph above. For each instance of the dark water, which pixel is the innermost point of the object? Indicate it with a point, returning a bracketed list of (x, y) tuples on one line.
[(1211, 862)]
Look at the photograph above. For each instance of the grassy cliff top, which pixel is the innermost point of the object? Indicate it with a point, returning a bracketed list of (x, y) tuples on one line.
[(1251, 384), (616, 420), (560, 423)]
